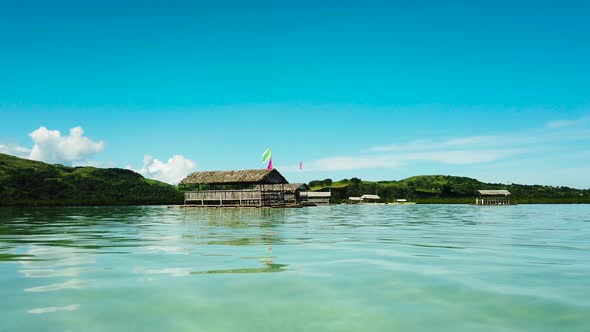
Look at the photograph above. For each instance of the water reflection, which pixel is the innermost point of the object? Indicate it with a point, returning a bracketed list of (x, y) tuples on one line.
[(267, 269), (51, 273), (173, 272), (50, 257), (70, 284), (236, 217), (60, 268), (71, 307), (15, 257)]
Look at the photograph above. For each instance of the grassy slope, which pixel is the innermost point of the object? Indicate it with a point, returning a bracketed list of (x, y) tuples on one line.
[(452, 189), (27, 182)]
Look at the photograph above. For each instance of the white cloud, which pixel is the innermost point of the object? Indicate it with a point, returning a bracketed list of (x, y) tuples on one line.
[(346, 163), (389, 161), (567, 123), (172, 171), (15, 150), (91, 163), (463, 157), (430, 145), (556, 131), (460, 150), (562, 123), (51, 147)]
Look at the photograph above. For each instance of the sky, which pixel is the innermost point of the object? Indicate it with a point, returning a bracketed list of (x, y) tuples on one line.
[(380, 90)]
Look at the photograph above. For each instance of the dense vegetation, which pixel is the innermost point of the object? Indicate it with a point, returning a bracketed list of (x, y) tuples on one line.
[(27, 182), (447, 189)]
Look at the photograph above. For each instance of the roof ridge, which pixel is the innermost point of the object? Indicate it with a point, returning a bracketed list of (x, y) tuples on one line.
[(245, 176)]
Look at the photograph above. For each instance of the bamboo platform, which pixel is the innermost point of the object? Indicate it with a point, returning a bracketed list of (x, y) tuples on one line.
[(190, 206)]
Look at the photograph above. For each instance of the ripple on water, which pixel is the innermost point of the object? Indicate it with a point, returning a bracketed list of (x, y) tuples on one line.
[(339, 268)]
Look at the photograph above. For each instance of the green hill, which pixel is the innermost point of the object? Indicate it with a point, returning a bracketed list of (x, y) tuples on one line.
[(27, 182), (447, 189)]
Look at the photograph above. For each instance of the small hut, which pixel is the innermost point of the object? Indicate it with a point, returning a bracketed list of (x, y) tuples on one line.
[(316, 197), (370, 198), (257, 187), (492, 197), (354, 200)]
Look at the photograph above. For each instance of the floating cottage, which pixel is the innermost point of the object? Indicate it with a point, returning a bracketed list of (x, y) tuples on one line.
[(257, 188), (364, 199), (370, 198), (355, 200), (402, 201), (492, 197)]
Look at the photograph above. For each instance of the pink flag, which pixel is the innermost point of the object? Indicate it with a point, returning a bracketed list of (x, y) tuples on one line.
[(269, 167), (300, 165)]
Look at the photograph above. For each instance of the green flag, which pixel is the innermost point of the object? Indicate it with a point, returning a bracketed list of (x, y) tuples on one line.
[(266, 155)]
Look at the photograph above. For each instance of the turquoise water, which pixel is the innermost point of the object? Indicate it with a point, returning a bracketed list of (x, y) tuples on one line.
[(336, 268)]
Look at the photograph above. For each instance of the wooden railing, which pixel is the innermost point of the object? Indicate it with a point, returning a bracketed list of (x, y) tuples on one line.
[(226, 195), (250, 197)]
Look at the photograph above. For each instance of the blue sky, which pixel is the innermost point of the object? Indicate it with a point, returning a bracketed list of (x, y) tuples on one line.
[(496, 90)]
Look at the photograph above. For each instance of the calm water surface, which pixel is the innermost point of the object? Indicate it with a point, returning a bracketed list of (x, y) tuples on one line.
[(337, 268)]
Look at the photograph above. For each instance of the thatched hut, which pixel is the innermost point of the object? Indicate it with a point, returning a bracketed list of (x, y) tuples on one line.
[(257, 187), (493, 197), (316, 197), (368, 198), (355, 200)]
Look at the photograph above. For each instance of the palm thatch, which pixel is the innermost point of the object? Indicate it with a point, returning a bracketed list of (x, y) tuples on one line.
[(251, 176)]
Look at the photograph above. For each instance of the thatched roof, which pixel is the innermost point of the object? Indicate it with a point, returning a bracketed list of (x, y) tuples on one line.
[(288, 188), (250, 176), (315, 194), (493, 192)]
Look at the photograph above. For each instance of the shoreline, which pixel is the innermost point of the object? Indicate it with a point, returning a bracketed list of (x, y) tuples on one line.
[(180, 206)]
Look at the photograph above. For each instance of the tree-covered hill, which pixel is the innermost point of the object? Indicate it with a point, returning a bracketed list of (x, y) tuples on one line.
[(447, 189), (27, 182)]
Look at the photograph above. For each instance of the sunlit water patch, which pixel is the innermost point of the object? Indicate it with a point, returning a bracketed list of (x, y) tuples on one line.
[(334, 268)]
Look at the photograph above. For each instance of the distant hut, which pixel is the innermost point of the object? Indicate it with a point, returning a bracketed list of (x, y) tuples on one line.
[(315, 197), (257, 187), (370, 198), (355, 200), (493, 197)]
